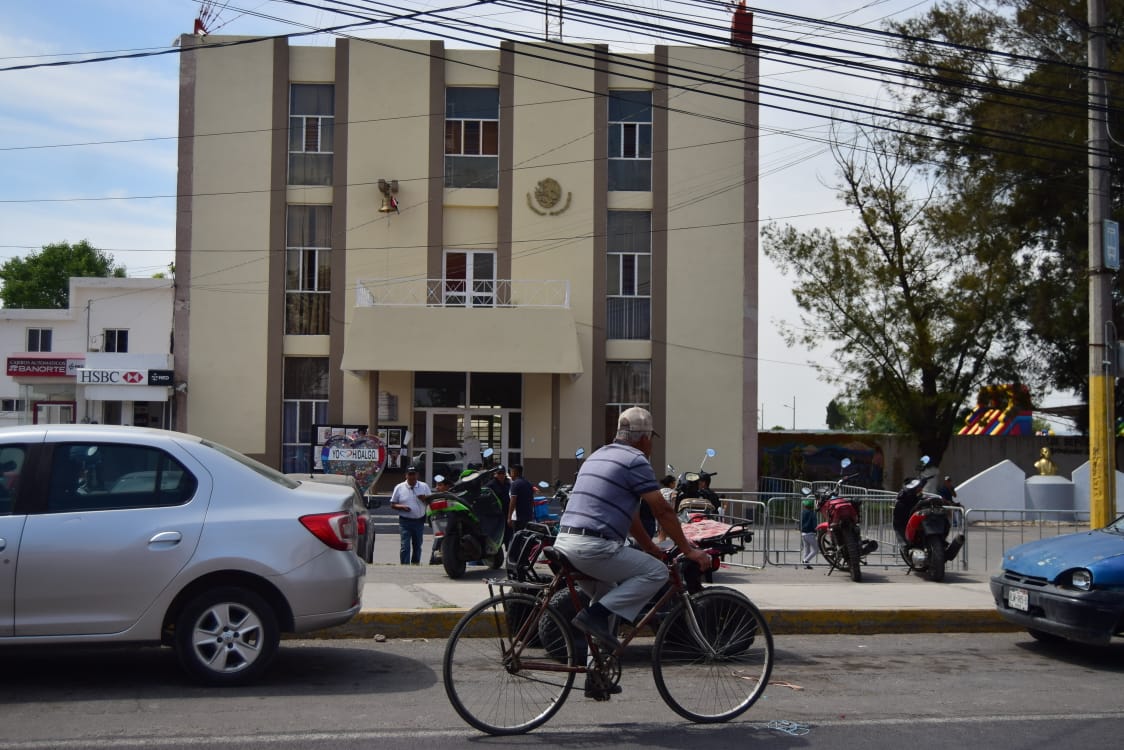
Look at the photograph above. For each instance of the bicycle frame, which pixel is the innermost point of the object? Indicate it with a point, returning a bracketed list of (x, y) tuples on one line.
[(569, 577)]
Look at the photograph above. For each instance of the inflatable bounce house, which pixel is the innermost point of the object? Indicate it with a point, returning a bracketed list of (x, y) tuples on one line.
[(1001, 410)]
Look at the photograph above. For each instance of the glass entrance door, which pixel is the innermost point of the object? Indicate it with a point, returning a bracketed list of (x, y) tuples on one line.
[(449, 435)]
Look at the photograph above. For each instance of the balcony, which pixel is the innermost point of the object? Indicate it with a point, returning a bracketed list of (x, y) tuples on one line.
[(503, 325)]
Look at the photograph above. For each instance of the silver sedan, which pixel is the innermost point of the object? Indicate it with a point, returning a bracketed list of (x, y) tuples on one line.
[(131, 535)]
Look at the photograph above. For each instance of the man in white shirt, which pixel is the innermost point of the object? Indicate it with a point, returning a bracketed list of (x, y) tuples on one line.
[(409, 499)]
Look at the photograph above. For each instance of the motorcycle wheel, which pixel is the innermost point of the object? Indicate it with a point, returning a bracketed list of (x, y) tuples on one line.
[(828, 549), (936, 558), (853, 560), (451, 556)]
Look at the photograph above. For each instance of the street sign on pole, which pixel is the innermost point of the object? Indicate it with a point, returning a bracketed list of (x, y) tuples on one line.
[(1111, 245)]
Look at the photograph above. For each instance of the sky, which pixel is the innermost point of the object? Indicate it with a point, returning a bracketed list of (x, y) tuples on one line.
[(88, 151)]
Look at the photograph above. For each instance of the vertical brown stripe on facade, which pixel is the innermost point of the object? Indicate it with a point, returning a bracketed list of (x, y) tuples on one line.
[(751, 319), (435, 215), (275, 316), (185, 182), (599, 387), (660, 287), (506, 160), (339, 298)]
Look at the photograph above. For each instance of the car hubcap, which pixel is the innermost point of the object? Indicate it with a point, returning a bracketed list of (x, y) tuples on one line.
[(228, 637)]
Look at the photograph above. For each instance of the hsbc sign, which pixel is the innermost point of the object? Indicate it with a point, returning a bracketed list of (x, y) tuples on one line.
[(111, 377)]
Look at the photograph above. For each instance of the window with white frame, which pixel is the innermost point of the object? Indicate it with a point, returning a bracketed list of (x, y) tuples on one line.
[(628, 275), (630, 140), (115, 340), (12, 404), (308, 239), (470, 278), (39, 339), (311, 131), (305, 403), (472, 137), (629, 384)]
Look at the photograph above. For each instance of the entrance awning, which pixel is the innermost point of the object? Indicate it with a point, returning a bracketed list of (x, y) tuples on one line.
[(456, 339)]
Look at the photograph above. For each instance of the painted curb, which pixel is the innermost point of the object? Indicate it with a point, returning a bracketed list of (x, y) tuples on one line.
[(438, 623)]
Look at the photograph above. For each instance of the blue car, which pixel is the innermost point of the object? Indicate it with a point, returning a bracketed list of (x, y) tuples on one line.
[(1070, 587)]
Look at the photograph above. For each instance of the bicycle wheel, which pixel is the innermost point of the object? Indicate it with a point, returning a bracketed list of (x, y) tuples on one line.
[(493, 687), (721, 678)]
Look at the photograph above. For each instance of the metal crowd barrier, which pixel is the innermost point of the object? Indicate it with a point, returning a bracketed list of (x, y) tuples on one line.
[(775, 518)]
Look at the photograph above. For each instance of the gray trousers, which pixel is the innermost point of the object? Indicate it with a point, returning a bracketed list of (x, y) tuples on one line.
[(626, 576)]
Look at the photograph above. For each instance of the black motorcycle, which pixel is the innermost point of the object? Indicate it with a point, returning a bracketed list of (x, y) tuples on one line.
[(692, 488), (921, 522)]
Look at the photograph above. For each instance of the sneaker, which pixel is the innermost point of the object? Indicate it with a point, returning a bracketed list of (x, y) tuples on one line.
[(598, 628), (597, 691), (808, 567)]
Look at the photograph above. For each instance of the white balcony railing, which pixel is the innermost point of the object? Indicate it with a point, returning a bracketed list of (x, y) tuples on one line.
[(459, 293)]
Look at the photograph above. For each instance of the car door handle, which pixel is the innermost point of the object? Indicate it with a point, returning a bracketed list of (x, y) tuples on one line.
[(3, 544), (167, 538)]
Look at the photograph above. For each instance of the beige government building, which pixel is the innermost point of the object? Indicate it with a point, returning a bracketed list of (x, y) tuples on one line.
[(506, 246)]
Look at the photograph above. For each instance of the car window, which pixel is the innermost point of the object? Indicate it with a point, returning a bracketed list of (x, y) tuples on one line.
[(107, 476), (11, 468), (266, 471)]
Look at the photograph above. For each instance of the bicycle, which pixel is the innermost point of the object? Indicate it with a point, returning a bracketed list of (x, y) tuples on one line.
[(510, 662)]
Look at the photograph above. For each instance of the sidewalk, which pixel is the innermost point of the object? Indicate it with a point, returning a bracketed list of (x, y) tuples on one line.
[(421, 601)]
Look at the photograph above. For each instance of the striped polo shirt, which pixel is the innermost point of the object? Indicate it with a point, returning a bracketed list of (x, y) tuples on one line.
[(607, 491)]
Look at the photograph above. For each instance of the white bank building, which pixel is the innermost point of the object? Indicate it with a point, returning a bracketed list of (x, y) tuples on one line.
[(106, 358)]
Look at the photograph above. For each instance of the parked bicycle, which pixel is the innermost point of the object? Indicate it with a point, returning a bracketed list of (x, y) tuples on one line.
[(510, 662)]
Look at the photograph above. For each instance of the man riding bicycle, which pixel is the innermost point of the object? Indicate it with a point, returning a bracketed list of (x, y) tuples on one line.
[(603, 509)]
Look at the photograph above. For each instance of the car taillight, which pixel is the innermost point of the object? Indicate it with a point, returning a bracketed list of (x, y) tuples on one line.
[(438, 504), (362, 526), (337, 530)]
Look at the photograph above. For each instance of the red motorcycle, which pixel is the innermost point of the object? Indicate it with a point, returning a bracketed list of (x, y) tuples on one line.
[(839, 538)]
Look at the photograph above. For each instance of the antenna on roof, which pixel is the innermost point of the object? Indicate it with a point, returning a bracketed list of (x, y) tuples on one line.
[(552, 29)]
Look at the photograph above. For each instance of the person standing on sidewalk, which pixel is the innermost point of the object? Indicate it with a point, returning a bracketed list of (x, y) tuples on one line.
[(521, 509), (808, 532), (409, 499)]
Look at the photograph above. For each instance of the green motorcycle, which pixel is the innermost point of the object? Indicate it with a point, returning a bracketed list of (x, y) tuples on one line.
[(470, 521)]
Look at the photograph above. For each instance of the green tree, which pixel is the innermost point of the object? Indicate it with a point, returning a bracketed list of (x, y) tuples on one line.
[(1010, 132), (41, 281), (918, 319)]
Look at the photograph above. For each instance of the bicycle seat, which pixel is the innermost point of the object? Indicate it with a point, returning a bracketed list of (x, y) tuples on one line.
[(557, 556)]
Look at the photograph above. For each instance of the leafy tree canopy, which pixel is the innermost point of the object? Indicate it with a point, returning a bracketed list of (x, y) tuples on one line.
[(1004, 95), (919, 317), (41, 281)]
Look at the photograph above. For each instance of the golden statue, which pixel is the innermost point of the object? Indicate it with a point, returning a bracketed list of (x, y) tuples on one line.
[(1045, 465)]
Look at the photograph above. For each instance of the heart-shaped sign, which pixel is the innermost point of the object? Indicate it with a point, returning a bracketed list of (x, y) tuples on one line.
[(362, 457)]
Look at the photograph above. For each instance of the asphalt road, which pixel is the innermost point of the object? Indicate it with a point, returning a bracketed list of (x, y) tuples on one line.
[(933, 691)]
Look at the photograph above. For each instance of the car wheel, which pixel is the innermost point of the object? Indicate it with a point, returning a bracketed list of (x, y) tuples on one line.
[(369, 554), (226, 636)]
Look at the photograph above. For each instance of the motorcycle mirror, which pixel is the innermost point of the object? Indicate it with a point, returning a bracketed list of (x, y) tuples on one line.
[(579, 453), (844, 463), (438, 478), (488, 453), (670, 469), (543, 485), (923, 462), (806, 491), (710, 453)]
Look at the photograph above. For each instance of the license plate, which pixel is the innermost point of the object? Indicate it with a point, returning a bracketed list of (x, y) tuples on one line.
[(1018, 599)]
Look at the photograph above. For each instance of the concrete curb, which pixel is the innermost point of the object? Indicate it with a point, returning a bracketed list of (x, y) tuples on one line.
[(438, 623)]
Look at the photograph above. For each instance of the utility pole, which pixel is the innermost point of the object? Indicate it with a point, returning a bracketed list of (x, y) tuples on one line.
[(1102, 345)]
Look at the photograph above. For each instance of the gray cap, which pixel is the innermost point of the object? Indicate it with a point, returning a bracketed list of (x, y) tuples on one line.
[(634, 423)]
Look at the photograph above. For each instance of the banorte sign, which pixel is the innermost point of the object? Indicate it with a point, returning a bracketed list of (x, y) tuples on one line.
[(88, 376)]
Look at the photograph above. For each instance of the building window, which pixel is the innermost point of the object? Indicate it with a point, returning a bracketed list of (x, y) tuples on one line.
[(470, 278), (116, 340), (630, 140), (472, 137), (308, 239), (628, 272), (39, 339), (12, 404), (311, 123), (629, 384), (305, 403)]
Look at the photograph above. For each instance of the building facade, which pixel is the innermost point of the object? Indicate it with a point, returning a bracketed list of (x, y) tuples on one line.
[(106, 358), (468, 247)]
